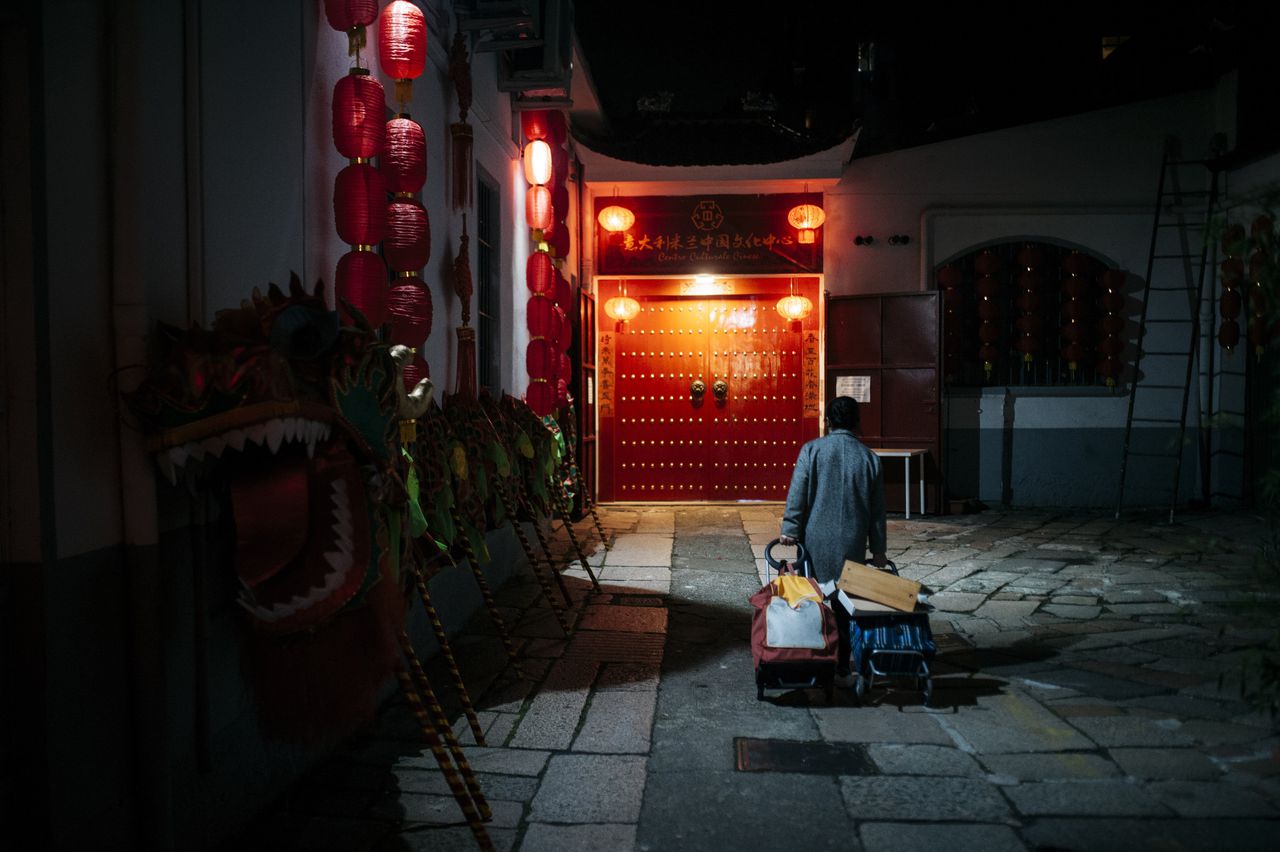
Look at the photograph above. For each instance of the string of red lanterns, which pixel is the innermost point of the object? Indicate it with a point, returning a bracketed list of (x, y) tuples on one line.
[(1110, 344), (1075, 310), (990, 312), (1232, 273), (949, 280), (359, 191), (1263, 239), (544, 214), (1030, 325)]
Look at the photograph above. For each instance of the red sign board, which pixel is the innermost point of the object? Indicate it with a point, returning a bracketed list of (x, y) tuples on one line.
[(720, 234)]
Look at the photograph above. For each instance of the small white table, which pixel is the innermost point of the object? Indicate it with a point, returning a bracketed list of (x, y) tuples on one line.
[(906, 456)]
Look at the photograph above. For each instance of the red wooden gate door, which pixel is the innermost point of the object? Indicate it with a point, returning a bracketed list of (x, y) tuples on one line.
[(703, 397)]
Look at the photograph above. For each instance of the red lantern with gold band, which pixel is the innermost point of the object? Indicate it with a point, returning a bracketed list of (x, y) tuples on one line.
[(1075, 310), (537, 208), (409, 310), (408, 239), (540, 274), (358, 105), (404, 160), (987, 286), (360, 204), (1110, 345), (361, 280), (402, 46)]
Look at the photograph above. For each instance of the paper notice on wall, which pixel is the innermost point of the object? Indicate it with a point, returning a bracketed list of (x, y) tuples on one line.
[(591, 390), (858, 387)]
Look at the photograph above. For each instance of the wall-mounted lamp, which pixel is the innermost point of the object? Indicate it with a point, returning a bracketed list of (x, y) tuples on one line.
[(899, 240), (616, 219), (794, 307), (537, 163), (863, 241)]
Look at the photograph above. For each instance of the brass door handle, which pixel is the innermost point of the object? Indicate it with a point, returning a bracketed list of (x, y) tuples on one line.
[(698, 388), (720, 388)]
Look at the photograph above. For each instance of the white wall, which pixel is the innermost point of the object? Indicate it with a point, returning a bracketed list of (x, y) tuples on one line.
[(1105, 161)]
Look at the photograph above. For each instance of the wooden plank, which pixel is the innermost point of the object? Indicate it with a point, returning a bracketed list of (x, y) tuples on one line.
[(883, 587)]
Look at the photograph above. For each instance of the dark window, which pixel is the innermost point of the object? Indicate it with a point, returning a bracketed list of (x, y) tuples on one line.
[(489, 324)]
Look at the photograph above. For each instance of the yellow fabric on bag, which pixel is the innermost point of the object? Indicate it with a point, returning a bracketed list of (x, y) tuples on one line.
[(794, 589)]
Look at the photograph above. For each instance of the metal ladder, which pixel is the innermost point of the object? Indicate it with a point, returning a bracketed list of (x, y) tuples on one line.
[(1167, 346)]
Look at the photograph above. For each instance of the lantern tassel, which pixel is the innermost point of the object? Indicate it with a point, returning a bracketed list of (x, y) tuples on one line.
[(462, 137)]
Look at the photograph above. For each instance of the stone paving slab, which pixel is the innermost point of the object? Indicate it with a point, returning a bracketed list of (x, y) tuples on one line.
[(1098, 798), (954, 837), (1166, 763), (543, 837), (705, 811), (923, 799), (1056, 766), (590, 788), (1012, 723), (1212, 835), (898, 759), (878, 725), (617, 722), (626, 619)]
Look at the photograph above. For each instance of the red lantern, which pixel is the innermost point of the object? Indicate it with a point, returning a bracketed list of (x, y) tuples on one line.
[(541, 397), (1033, 281), (987, 263), (988, 333), (361, 279), (537, 208), (414, 372), (1229, 334), (1229, 304), (987, 286), (540, 317), (1075, 287), (541, 359), (1031, 256), (404, 163), (534, 124), (402, 41), (557, 130), (1232, 270), (347, 14), (564, 293), (537, 163), (1262, 227), (949, 276), (358, 130), (989, 353), (560, 201), (1113, 279), (559, 242), (408, 240), (1111, 324), (988, 311), (1076, 263), (540, 274), (1112, 302), (1110, 346), (1030, 324), (410, 312), (359, 205), (1073, 310), (559, 166), (1074, 332), (565, 337), (1232, 239), (1028, 300)]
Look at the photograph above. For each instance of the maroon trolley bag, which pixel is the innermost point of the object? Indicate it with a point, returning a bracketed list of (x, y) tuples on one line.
[(784, 666)]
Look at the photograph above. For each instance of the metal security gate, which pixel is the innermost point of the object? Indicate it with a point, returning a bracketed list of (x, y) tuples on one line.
[(706, 395)]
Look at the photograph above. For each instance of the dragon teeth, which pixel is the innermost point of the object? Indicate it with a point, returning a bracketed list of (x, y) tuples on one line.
[(213, 446), (257, 433), (275, 435), (235, 439)]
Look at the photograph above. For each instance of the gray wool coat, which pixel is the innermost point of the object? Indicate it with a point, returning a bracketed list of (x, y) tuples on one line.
[(836, 502)]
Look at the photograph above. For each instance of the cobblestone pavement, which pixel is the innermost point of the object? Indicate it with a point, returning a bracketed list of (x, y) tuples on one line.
[(1086, 697)]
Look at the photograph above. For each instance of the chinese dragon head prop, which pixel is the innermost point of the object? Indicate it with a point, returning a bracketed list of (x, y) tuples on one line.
[(293, 419)]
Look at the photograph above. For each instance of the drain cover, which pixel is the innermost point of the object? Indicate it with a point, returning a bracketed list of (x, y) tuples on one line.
[(814, 758)]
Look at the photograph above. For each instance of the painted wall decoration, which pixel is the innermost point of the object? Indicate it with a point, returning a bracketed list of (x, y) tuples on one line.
[(730, 234)]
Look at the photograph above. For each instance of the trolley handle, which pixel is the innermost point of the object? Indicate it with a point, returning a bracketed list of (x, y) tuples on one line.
[(802, 557)]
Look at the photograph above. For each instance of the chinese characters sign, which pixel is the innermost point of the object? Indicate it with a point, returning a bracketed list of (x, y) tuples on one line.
[(606, 375), (725, 234)]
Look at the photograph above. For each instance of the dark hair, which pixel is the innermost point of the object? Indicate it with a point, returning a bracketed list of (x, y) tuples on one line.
[(842, 413)]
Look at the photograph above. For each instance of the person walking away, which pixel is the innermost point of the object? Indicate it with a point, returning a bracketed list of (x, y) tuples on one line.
[(835, 508)]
